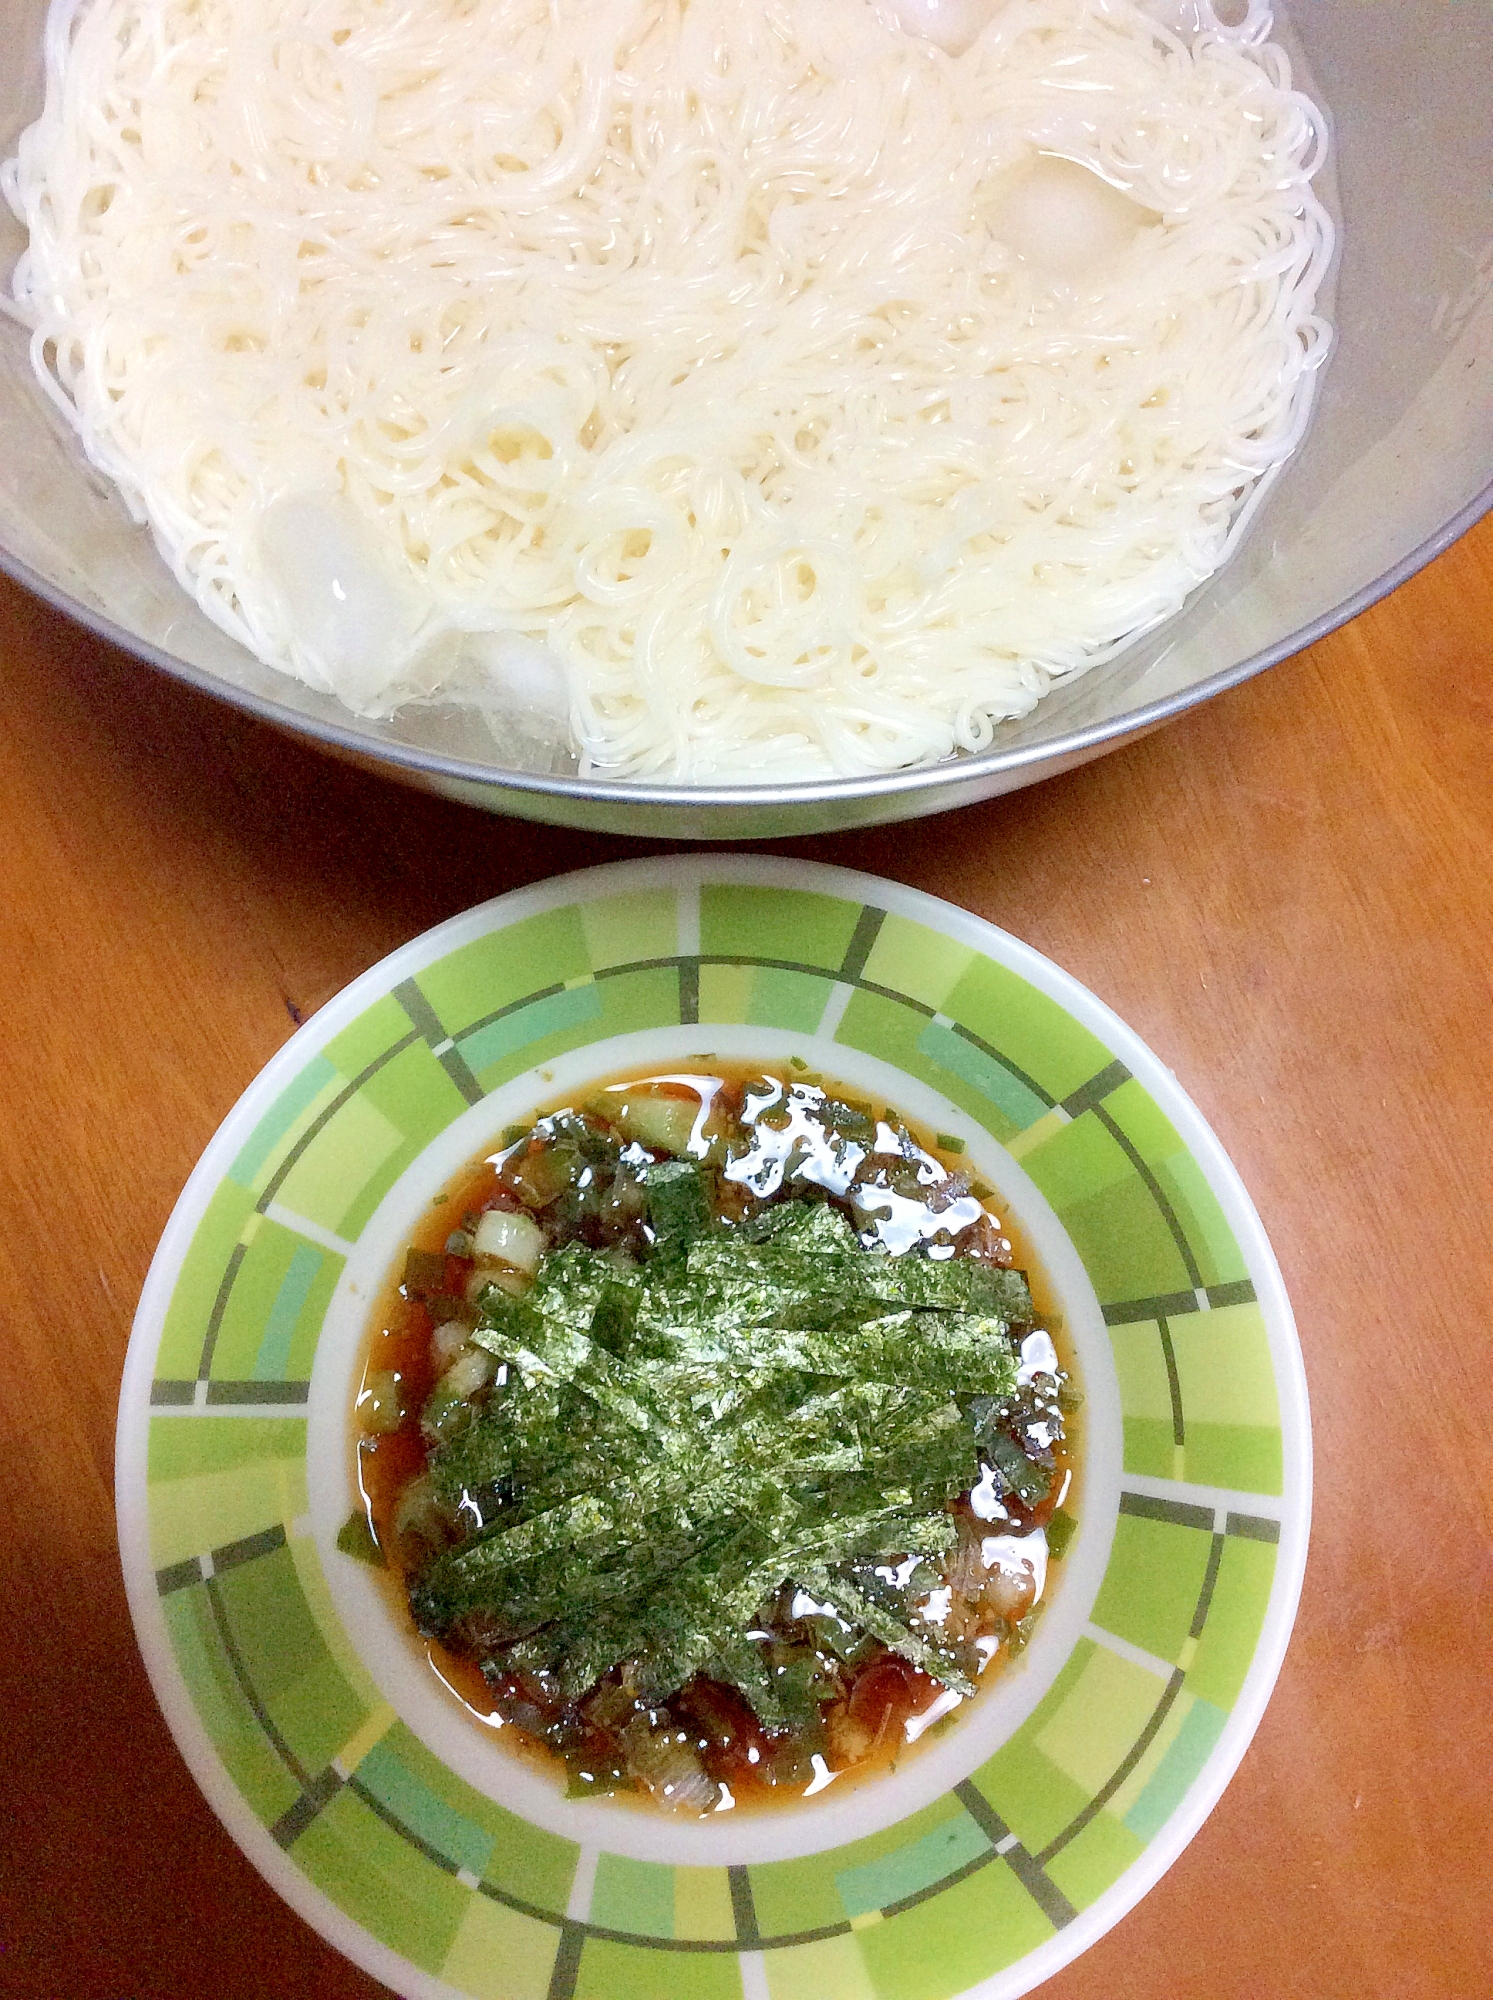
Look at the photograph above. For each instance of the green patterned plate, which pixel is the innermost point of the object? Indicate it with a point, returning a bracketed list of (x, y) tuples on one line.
[(395, 1825)]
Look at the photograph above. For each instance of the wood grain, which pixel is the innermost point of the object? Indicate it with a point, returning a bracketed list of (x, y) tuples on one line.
[(1287, 894)]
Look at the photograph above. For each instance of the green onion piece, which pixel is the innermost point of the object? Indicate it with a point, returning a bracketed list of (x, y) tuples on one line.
[(1030, 1483), (356, 1539), (848, 1118), (949, 1142), (595, 1782), (1021, 1633), (541, 1178), (1060, 1532), (663, 1124), (424, 1271), (380, 1403)]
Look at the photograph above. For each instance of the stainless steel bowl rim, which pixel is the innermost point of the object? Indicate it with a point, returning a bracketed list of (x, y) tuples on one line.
[(953, 770)]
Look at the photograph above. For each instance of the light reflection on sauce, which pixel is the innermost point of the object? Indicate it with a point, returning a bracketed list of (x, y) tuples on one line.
[(790, 1143)]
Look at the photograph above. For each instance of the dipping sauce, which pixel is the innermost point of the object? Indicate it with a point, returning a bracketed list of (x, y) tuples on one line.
[(714, 1437)]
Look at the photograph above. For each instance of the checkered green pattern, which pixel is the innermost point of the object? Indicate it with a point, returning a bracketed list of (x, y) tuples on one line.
[(947, 1898)]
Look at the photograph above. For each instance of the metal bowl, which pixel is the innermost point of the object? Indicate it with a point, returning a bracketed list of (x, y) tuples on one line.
[(1398, 462)]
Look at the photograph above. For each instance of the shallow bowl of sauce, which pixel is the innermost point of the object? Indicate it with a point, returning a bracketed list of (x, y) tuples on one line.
[(1017, 1829)]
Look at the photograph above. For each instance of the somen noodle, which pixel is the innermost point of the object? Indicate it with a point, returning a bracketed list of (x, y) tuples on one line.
[(759, 390)]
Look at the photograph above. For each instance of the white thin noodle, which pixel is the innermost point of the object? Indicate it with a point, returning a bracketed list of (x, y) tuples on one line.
[(680, 334)]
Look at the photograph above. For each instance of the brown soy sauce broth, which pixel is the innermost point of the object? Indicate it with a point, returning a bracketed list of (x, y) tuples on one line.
[(887, 1705)]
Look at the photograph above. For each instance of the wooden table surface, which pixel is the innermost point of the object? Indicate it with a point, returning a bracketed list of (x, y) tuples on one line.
[(1289, 894)]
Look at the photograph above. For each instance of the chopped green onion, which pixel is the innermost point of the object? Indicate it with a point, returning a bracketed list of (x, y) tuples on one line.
[(1060, 1532), (1021, 1632), (356, 1539), (511, 1237), (540, 1178), (663, 1124), (380, 1402), (424, 1271), (1029, 1482), (448, 1407)]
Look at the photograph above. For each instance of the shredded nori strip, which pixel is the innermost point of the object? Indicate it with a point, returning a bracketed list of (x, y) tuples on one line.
[(767, 1405)]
